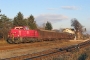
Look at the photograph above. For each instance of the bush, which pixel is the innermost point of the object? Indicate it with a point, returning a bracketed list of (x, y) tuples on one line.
[(82, 56)]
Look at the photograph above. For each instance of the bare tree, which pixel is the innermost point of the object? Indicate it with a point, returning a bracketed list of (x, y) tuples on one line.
[(78, 28)]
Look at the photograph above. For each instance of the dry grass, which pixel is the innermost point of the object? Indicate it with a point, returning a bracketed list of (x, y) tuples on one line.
[(2, 42), (83, 54), (38, 47)]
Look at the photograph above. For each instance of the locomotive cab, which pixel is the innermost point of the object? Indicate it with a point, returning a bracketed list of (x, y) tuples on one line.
[(19, 28), (23, 28)]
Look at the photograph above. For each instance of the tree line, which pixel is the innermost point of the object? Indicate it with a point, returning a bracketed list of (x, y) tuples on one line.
[(6, 23)]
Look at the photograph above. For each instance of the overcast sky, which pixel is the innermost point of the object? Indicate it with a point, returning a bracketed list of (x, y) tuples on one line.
[(58, 12)]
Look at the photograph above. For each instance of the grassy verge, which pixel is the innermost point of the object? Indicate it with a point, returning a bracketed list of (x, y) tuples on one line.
[(83, 54), (2, 42)]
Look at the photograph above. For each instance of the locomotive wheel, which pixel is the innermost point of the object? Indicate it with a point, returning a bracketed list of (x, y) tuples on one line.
[(9, 41), (31, 40), (16, 40), (28, 40), (25, 40)]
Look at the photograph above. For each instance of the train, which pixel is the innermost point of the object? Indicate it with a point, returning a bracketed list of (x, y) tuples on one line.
[(22, 34)]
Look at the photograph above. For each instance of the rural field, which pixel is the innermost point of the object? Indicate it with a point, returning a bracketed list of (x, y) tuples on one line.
[(14, 50)]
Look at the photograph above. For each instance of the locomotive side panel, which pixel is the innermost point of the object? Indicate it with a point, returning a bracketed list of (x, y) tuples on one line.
[(13, 33), (23, 33), (19, 34)]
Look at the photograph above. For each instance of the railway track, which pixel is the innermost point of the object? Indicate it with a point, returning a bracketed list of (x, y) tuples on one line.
[(50, 54)]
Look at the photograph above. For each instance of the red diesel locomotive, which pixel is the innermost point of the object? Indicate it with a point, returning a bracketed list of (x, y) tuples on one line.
[(23, 34)]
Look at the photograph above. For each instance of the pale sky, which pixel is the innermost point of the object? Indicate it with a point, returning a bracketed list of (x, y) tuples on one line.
[(58, 12)]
